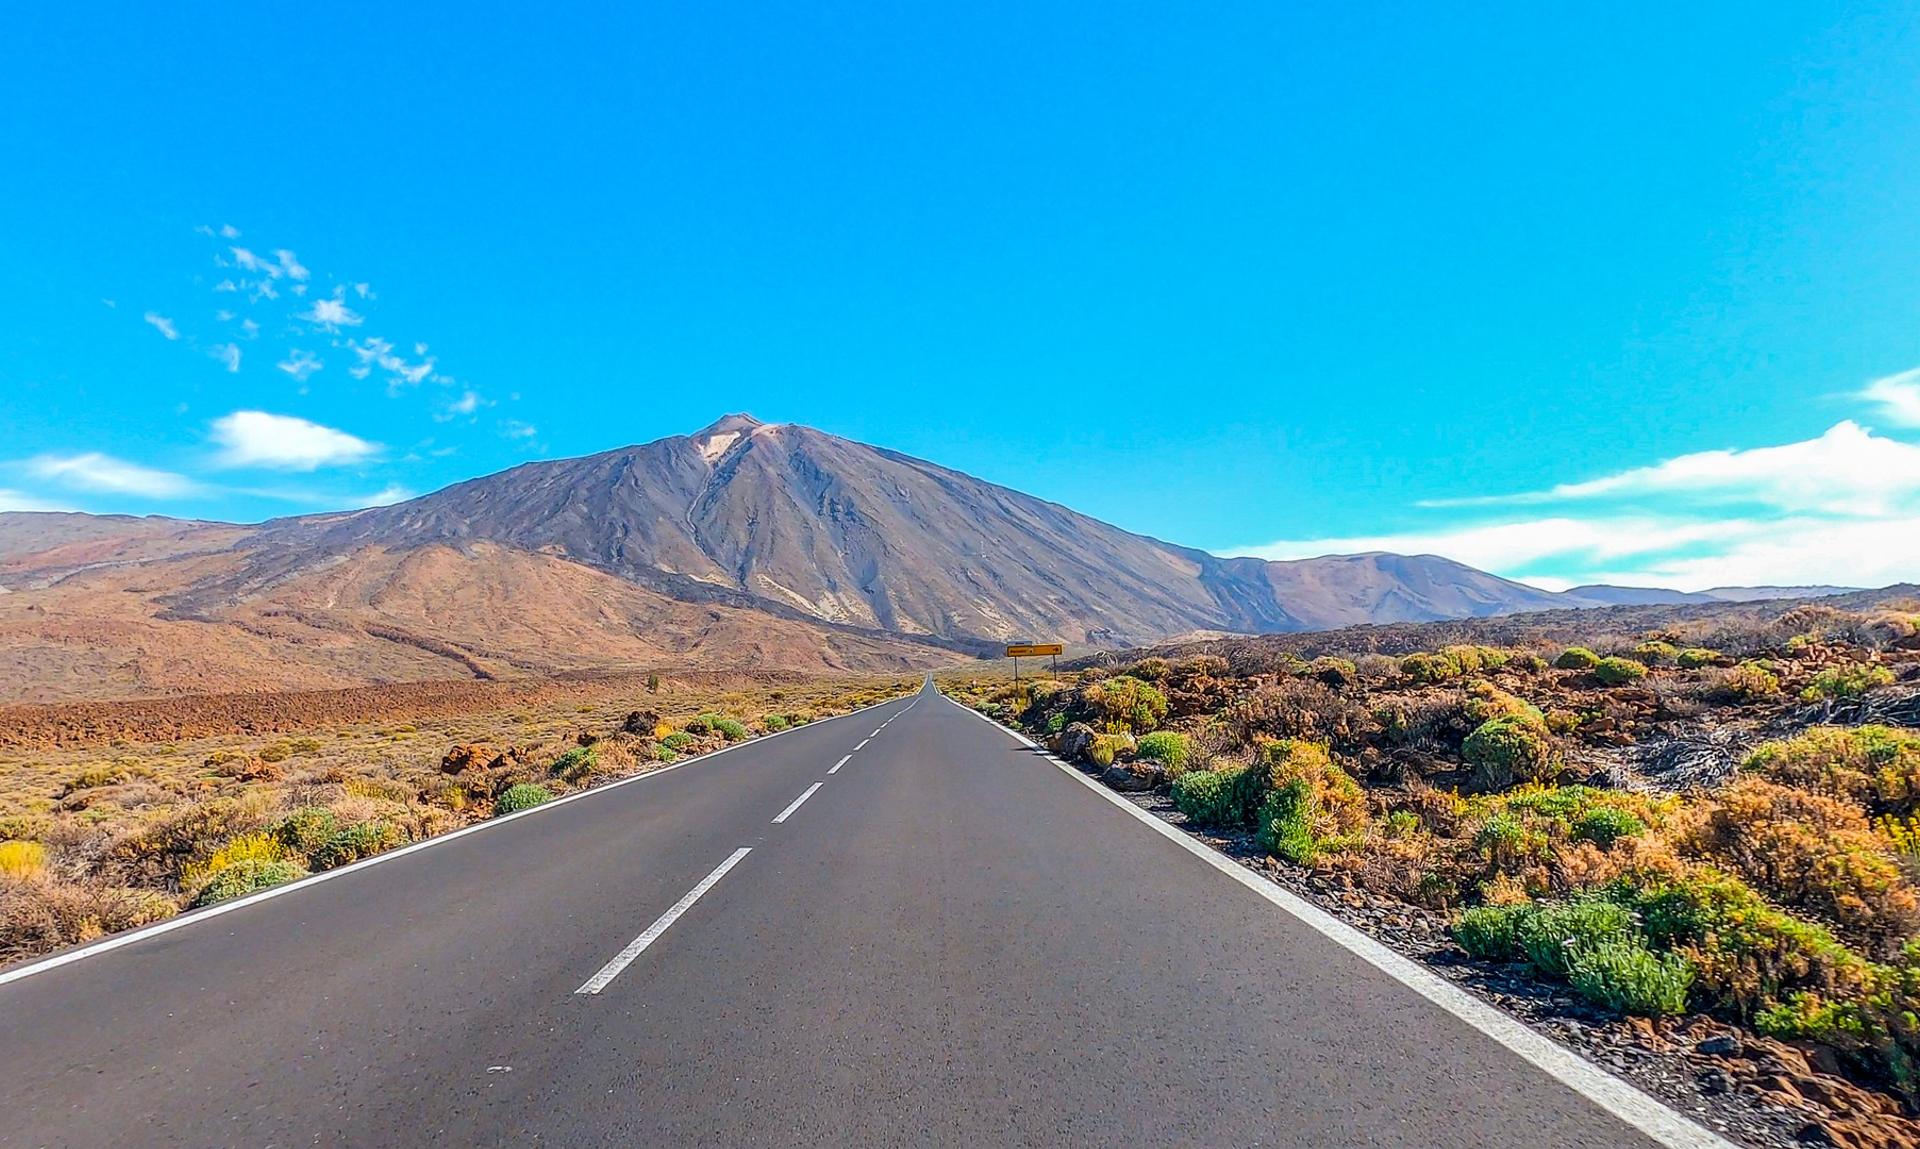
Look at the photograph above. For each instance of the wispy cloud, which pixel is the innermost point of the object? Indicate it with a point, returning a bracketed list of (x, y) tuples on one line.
[(93, 471), (285, 442), (378, 354), (20, 501), (228, 354), (333, 313), (161, 324), (1897, 397), (300, 364), (1841, 508), (1848, 470)]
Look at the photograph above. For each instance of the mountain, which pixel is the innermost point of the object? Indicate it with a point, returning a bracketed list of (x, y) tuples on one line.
[(1602, 595), (742, 545)]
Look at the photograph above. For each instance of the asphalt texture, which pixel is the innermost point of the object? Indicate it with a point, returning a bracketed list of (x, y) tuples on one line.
[(950, 942)]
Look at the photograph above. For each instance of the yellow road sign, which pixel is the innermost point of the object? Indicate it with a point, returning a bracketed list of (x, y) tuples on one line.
[(1033, 649)]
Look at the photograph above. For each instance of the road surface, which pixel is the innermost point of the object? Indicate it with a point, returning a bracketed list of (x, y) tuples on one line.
[(900, 927)]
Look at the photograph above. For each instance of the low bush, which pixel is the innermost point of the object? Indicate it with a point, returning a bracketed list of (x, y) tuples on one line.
[(732, 729), (1577, 658), (1105, 749), (521, 796), (1748, 682), (352, 843), (1310, 803), (245, 877), (1623, 975), (1617, 671), (1656, 652), (1605, 825), (1124, 703), (1695, 657), (774, 722), (306, 829), (703, 723), (1553, 933), (1509, 750), (1210, 797), (1875, 766), (678, 740), (574, 765), (1850, 681), (1489, 932), (21, 860), (1170, 748)]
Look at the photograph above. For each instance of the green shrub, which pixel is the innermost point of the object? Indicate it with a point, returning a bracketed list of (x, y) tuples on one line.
[(1551, 935), (1334, 671), (1747, 682), (1488, 932), (1577, 658), (774, 722), (307, 829), (1849, 681), (352, 843), (1167, 747), (665, 753), (1695, 657), (1309, 803), (1605, 825), (521, 796), (1209, 797), (1430, 668), (1106, 747), (1623, 975), (678, 740), (705, 723), (1056, 722), (1510, 749), (732, 729), (574, 765), (1286, 822), (1617, 671), (1124, 702), (1656, 652), (245, 877)]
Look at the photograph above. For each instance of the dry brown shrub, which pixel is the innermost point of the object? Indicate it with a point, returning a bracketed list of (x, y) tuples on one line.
[(45, 914), (1812, 852)]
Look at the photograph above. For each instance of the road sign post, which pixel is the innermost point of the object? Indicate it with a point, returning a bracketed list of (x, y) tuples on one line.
[(1020, 650)]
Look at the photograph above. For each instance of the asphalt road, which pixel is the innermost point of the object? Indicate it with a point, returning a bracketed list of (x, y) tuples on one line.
[(949, 942)]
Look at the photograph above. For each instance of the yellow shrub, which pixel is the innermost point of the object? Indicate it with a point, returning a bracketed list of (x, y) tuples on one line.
[(22, 859), (245, 848)]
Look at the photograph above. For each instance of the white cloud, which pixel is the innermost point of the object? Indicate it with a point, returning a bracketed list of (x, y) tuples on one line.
[(18, 501), (287, 442), (94, 471), (247, 261), (1897, 396), (331, 314), (1514, 545), (161, 324), (249, 328), (385, 497), (1848, 470), (289, 265), (228, 354), (515, 429), (228, 231), (377, 352), (300, 364), (468, 403), (1843, 508)]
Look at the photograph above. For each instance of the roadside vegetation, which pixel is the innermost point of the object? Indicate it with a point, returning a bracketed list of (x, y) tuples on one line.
[(1663, 824), (97, 839)]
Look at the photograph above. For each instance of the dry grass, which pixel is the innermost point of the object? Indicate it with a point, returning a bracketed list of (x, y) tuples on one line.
[(94, 840)]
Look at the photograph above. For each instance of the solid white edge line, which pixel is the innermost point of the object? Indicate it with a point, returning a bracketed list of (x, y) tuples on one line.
[(181, 921), (652, 933), (836, 766), (1643, 1112), (804, 795)]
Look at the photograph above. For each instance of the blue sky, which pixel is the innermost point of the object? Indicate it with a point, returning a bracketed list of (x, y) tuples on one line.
[(1614, 291)]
